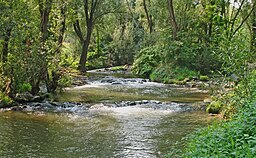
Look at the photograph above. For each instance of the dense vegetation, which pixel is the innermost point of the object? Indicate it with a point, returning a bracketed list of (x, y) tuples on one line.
[(167, 41), (235, 138)]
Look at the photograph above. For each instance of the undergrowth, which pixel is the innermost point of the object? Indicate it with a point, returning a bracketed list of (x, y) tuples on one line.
[(235, 137)]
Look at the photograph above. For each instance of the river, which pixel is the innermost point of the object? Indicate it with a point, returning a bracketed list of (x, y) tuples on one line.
[(126, 118)]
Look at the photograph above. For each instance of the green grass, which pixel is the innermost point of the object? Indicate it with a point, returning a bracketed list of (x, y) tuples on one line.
[(234, 138)]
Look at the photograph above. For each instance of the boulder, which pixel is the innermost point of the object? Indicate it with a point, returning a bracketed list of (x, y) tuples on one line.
[(36, 98), (43, 89), (24, 97)]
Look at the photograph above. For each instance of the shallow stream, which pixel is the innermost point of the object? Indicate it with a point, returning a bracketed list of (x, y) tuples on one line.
[(126, 118)]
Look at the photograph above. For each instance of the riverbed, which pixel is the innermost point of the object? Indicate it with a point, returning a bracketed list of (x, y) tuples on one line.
[(125, 118)]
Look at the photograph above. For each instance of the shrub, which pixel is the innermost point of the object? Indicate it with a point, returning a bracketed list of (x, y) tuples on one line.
[(168, 74), (235, 138), (5, 100), (214, 107), (195, 56), (65, 81), (147, 60), (25, 87)]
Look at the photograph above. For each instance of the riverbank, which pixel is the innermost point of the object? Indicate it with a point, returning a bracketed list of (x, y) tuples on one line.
[(136, 89), (233, 138), (77, 79), (165, 110)]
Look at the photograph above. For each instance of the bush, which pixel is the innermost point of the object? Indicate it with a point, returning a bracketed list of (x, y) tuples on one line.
[(214, 107), (65, 81), (168, 74), (235, 138), (5, 100), (199, 57), (147, 60), (25, 87)]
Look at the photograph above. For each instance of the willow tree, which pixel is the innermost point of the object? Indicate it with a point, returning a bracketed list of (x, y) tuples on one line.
[(92, 12)]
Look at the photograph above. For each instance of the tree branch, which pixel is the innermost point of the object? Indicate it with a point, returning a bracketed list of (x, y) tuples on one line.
[(86, 11), (78, 31), (253, 7), (237, 13), (108, 12)]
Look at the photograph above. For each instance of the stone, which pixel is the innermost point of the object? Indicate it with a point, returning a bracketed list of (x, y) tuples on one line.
[(16, 108), (107, 81), (116, 83), (36, 98), (194, 78), (43, 89), (55, 104), (24, 97), (207, 100), (145, 101), (132, 103), (138, 102)]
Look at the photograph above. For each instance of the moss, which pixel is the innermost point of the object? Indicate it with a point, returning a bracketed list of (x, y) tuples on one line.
[(117, 68), (204, 78)]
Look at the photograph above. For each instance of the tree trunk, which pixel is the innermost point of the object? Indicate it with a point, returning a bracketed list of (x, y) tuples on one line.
[(149, 17), (172, 18), (63, 26), (45, 9), (89, 17), (6, 44), (253, 40), (44, 12), (86, 43)]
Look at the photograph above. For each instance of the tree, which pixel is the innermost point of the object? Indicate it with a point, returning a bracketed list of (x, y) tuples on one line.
[(253, 40), (6, 17), (148, 15), (90, 8), (93, 11), (45, 7), (172, 18)]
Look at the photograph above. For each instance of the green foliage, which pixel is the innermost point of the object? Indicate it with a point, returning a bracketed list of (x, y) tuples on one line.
[(96, 60), (147, 60), (235, 138), (118, 68), (214, 107), (196, 56), (204, 78), (168, 74), (25, 87), (5, 100), (65, 81), (235, 55)]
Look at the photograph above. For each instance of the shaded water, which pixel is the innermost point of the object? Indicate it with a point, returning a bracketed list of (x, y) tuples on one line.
[(147, 130)]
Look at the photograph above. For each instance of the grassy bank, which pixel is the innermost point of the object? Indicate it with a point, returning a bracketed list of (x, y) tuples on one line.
[(233, 138)]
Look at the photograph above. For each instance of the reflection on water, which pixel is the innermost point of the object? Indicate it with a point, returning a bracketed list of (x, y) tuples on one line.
[(103, 132), (148, 131)]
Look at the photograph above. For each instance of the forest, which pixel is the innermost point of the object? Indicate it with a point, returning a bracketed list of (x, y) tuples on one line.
[(44, 42)]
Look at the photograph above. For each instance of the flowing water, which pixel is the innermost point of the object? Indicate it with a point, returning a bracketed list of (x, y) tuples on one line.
[(127, 118)]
